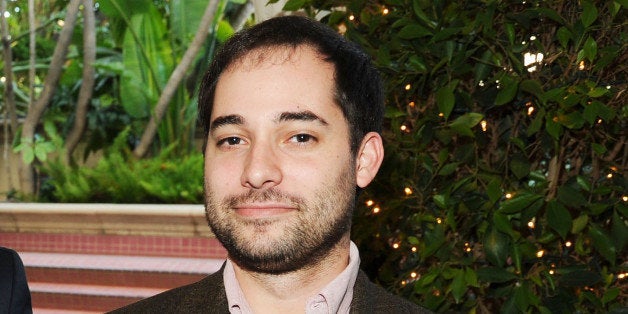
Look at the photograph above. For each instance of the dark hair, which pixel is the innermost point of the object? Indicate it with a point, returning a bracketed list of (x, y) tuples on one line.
[(358, 88)]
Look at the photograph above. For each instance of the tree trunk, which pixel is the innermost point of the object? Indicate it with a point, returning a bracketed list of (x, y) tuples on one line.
[(85, 94), (175, 79), (9, 95), (36, 109)]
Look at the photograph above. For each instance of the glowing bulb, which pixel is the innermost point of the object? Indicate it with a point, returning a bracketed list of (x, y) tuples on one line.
[(395, 245), (568, 244), (385, 11), (610, 175), (440, 114), (508, 195), (624, 198), (532, 37), (484, 125), (414, 249), (551, 272), (403, 128), (369, 203), (581, 65), (540, 253), (376, 210), (531, 224), (481, 83), (439, 221), (412, 104), (61, 23), (622, 275), (408, 87), (3, 79), (351, 17), (408, 191), (530, 110), (413, 274), (403, 282)]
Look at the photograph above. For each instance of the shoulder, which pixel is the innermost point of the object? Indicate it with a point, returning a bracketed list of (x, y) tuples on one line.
[(205, 296), (371, 298)]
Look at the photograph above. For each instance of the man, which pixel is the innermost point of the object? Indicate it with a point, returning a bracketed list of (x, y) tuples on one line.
[(292, 114), (15, 297)]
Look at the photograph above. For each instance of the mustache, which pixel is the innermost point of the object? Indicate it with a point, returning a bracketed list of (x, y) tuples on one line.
[(270, 195)]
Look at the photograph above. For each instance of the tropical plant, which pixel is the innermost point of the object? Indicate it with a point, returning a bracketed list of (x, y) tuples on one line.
[(503, 187), (118, 177)]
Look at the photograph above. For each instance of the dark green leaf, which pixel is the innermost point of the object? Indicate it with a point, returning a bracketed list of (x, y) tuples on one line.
[(507, 93), (603, 244), (518, 203), (571, 197), (520, 167), (564, 36), (496, 246), (495, 274), (445, 99), (533, 87), (411, 31), (580, 278), (458, 286), (558, 218), (589, 13), (590, 49), (293, 5)]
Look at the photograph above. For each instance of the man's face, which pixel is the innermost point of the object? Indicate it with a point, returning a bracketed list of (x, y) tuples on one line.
[(279, 175)]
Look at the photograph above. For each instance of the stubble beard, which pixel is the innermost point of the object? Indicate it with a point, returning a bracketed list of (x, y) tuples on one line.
[(307, 237)]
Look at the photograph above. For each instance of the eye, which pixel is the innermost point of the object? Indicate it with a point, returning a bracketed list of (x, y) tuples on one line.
[(302, 138), (230, 141)]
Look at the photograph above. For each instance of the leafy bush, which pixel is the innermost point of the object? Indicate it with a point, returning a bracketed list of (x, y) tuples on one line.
[(504, 187), (119, 178)]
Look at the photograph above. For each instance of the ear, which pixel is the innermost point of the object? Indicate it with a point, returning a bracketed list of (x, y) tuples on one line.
[(369, 158)]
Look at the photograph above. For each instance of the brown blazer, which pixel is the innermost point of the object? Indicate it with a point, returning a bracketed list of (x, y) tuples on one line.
[(208, 296)]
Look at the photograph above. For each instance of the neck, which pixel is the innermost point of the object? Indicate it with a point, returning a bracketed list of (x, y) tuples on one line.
[(288, 292)]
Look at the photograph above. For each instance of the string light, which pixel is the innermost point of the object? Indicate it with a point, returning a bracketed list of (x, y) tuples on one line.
[(414, 249), (551, 271), (467, 247), (508, 195), (403, 128), (413, 274), (540, 253), (622, 275), (481, 83), (530, 110), (440, 114), (599, 121), (395, 245), (624, 198), (408, 87), (385, 11), (369, 203), (376, 210), (568, 244), (412, 104), (581, 65), (403, 282), (408, 191), (531, 223), (439, 221), (484, 125), (609, 176), (351, 17)]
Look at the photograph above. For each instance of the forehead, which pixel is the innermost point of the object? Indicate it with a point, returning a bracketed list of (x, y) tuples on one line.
[(278, 78)]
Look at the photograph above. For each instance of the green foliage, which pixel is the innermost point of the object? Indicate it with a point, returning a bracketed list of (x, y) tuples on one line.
[(118, 178), (503, 187)]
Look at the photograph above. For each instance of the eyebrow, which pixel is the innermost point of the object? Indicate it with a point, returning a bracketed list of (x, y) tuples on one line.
[(221, 121), (235, 119), (305, 115)]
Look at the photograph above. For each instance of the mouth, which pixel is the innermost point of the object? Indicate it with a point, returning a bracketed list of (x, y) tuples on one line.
[(263, 210)]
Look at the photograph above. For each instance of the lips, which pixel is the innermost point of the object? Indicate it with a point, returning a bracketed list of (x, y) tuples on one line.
[(256, 211)]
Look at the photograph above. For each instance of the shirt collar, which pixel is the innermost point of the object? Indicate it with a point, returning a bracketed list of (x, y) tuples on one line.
[(335, 297)]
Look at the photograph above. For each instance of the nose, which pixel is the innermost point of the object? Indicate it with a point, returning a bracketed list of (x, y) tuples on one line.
[(262, 169)]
